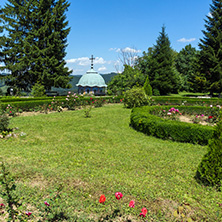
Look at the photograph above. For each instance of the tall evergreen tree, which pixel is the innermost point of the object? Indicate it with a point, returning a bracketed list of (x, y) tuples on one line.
[(161, 70), (34, 48), (211, 48)]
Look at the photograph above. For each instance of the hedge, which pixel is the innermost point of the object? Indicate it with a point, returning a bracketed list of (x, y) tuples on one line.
[(32, 102), (142, 120), (167, 100)]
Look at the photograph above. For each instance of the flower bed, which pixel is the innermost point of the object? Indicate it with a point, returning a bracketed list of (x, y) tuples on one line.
[(159, 121)]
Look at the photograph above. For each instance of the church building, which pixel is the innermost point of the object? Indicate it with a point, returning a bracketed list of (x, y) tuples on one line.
[(92, 83)]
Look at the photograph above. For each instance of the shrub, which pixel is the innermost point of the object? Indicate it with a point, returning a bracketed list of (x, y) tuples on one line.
[(147, 87), (38, 90), (135, 97), (4, 120), (209, 171)]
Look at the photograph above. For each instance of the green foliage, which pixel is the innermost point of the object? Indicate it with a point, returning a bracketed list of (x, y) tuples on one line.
[(147, 87), (126, 80), (158, 64), (4, 121), (7, 191), (135, 97), (209, 171), (185, 63), (142, 119), (38, 90), (34, 49), (210, 46)]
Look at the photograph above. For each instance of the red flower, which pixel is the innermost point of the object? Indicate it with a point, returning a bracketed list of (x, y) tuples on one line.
[(132, 203), (102, 198), (91, 98), (2, 205), (210, 117), (118, 195), (144, 212)]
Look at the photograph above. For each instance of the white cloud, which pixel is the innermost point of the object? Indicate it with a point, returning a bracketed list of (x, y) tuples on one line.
[(186, 40), (128, 49), (85, 61), (112, 49), (101, 69), (99, 60)]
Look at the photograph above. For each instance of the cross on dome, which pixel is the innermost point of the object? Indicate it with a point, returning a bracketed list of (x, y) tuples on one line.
[(92, 61)]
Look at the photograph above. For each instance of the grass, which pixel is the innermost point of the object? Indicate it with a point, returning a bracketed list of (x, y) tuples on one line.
[(103, 155)]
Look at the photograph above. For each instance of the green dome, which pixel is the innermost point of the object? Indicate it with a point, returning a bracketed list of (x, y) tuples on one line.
[(92, 79)]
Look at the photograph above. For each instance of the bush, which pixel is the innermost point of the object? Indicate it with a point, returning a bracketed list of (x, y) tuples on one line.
[(147, 87), (209, 171), (38, 90), (4, 121), (135, 97), (142, 120)]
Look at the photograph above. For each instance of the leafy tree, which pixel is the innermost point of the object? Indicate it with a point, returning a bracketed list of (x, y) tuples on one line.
[(211, 48), (34, 47), (160, 67), (126, 80), (185, 63)]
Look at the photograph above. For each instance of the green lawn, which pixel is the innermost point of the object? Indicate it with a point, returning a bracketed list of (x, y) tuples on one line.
[(103, 155)]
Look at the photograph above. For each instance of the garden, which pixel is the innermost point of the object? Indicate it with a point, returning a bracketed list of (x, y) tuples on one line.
[(82, 162)]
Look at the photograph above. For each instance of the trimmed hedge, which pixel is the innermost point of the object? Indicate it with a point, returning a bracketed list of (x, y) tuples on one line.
[(144, 121), (167, 100), (32, 102)]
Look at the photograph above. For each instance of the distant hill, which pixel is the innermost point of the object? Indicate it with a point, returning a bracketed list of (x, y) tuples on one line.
[(73, 82)]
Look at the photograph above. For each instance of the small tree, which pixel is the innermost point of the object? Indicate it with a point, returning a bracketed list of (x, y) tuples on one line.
[(147, 87), (38, 90), (209, 171)]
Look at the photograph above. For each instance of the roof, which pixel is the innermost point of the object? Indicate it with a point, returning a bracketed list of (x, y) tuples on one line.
[(92, 79)]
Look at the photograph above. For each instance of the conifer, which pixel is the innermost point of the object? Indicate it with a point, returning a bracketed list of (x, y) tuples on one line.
[(211, 48), (161, 71), (34, 48), (209, 171)]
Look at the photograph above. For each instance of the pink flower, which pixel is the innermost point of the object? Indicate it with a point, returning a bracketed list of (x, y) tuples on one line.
[(132, 203), (144, 212), (202, 115), (69, 92), (10, 111), (46, 203), (28, 213), (118, 195)]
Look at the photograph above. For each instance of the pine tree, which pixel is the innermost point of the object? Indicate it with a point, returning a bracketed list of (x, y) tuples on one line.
[(209, 171), (211, 48), (147, 87), (34, 49), (161, 70)]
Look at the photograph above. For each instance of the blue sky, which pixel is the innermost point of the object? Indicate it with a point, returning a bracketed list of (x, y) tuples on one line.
[(103, 27)]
